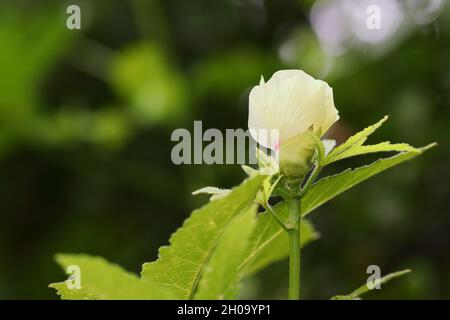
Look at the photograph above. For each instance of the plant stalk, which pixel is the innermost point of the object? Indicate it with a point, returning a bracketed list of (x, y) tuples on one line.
[(310, 180), (294, 249)]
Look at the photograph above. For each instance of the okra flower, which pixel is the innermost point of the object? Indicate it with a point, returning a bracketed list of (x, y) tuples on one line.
[(297, 105)]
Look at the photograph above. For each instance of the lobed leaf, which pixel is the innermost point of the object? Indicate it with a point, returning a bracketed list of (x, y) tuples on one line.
[(269, 243), (181, 264), (331, 186), (220, 279), (385, 146), (101, 280), (364, 289), (354, 145), (358, 138)]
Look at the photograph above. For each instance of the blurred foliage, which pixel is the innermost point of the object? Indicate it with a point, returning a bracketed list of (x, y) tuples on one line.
[(145, 79), (86, 118)]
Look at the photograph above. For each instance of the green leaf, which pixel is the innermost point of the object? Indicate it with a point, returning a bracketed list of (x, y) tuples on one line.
[(181, 264), (320, 148), (354, 145), (103, 280), (267, 164), (216, 193), (269, 243), (267, 190), (249, 171), (385, 146), (358, 138), (363, 289), (220, 279), (331, 186)]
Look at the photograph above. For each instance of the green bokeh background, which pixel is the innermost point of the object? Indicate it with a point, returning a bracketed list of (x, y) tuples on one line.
[(86, 118)]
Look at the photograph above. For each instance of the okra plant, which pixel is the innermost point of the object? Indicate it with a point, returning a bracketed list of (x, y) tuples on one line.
[(240, 231)]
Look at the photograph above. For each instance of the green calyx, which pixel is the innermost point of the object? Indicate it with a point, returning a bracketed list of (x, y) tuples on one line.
[(295, 156)]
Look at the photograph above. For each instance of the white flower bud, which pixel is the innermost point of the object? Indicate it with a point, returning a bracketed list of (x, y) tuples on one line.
[(294, 103)]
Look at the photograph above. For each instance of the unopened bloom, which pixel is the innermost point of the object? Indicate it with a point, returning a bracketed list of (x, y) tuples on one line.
[(295, 104)]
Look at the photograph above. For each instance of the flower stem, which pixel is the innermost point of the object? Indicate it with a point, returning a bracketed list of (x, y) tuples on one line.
[(294, 249)]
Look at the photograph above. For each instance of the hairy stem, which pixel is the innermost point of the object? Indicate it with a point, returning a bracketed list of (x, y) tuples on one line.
[(294, 249)]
